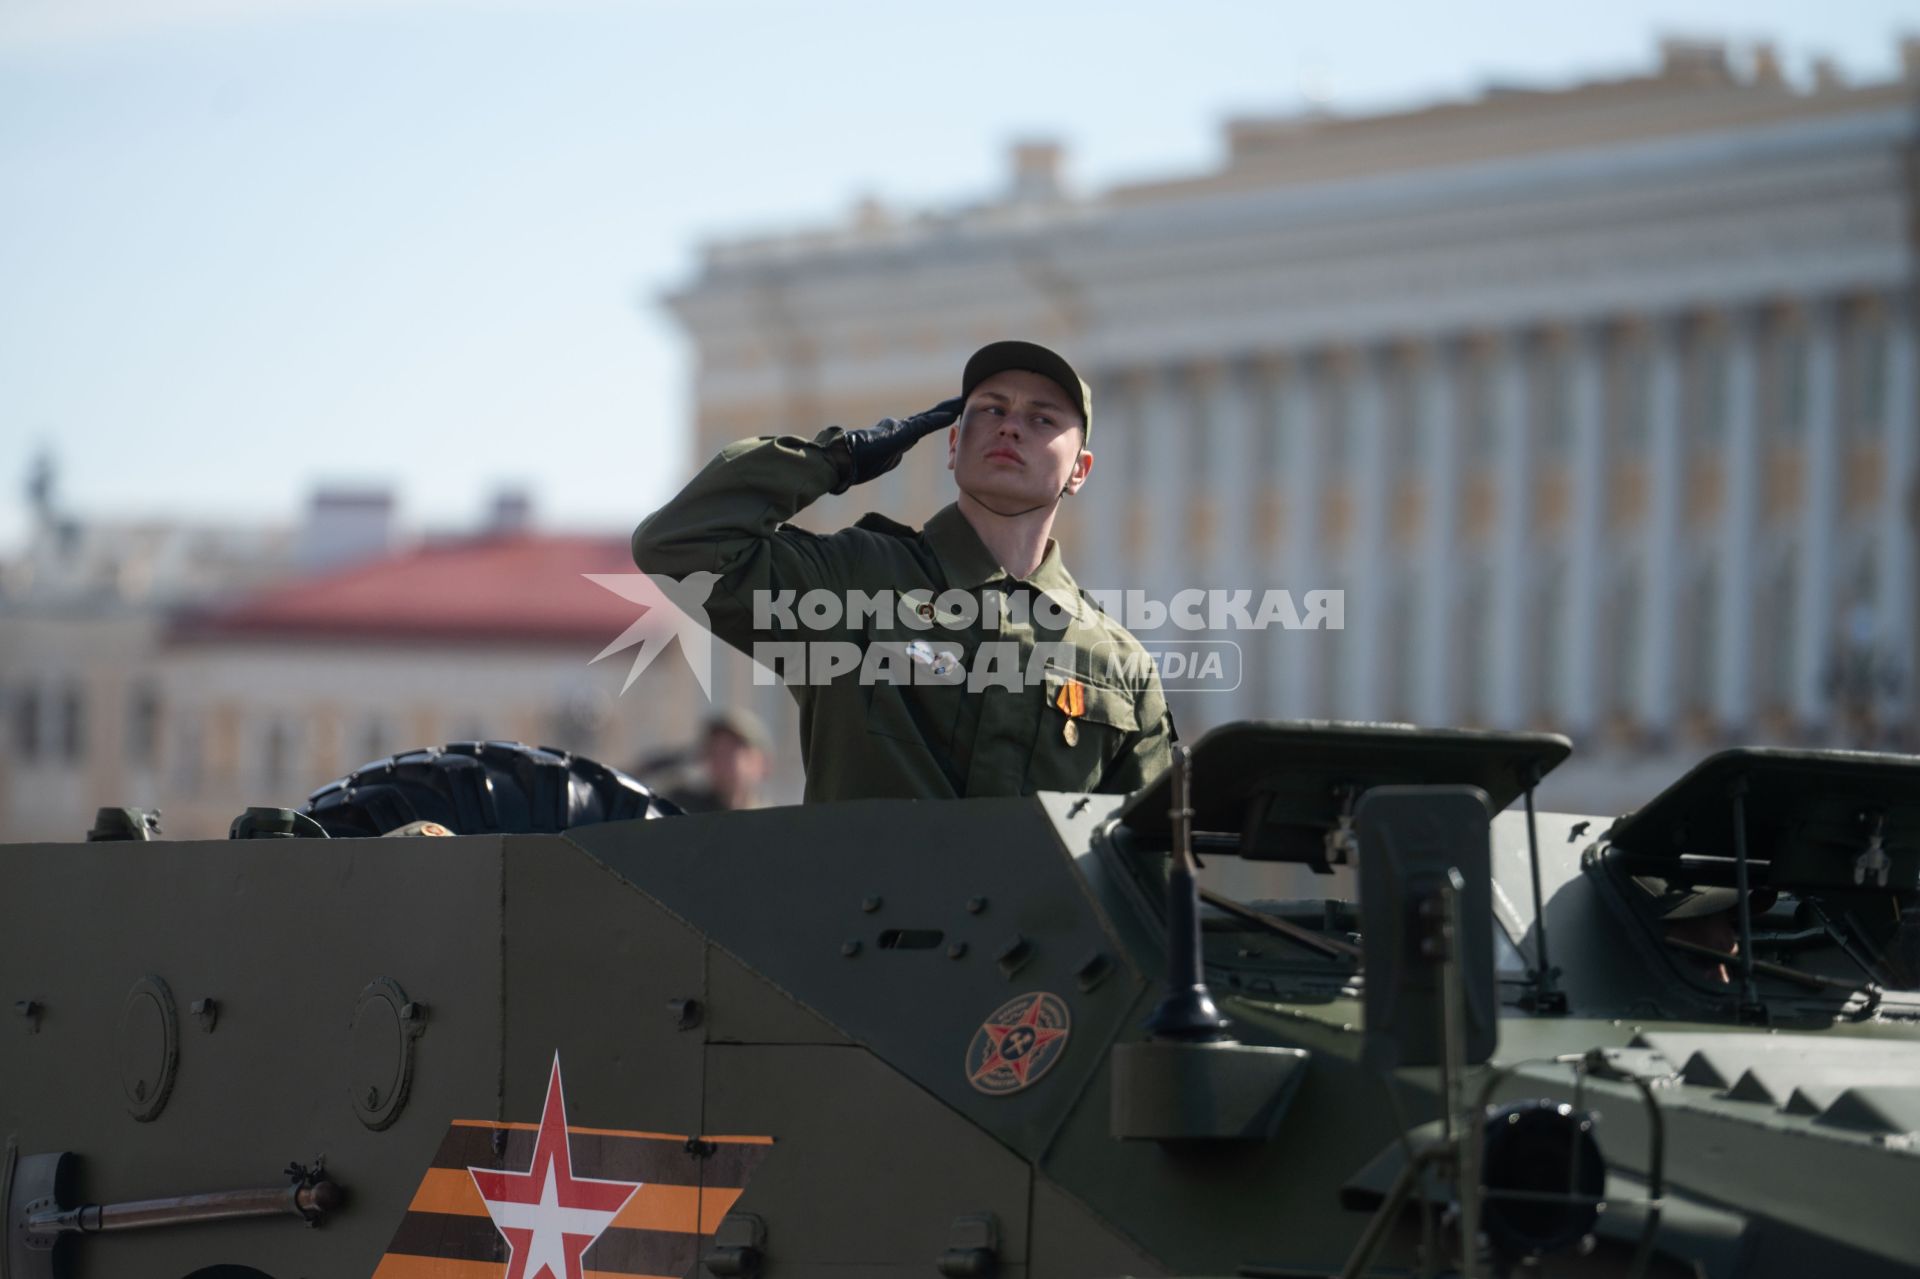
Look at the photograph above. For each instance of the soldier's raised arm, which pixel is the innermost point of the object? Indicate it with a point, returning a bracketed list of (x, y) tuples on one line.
[(730, 518)]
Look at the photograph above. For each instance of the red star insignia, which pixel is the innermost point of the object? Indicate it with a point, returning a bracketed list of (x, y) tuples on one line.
[(548, 1216), (1016, 1044)]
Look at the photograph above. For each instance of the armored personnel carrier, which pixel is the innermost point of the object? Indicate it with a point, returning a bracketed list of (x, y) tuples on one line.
[(1326, 999)]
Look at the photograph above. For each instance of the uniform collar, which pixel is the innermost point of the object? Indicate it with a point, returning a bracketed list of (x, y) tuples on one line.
[(968, 563)]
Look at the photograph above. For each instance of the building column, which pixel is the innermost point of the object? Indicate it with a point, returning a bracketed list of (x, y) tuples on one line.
[(1226, 396), (1108, 496), (1437, 405), (1168, 435), (1265, 375), (1586, 578), (1512, 657), (1653, 699), (1299, 427), (1813, 606), (1740, 470), (1369, 578), (1229, 502), (1894, 554)]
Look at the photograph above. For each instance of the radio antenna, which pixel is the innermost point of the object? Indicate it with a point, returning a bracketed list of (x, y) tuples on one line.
[(1187, 1013)]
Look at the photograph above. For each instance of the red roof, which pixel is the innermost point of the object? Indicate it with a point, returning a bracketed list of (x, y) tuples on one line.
[(519, 588)]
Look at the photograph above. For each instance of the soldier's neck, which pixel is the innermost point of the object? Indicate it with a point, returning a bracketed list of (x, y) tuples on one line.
[(1018, 541)]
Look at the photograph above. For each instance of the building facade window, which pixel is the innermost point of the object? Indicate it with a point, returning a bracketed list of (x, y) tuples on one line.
[(73, 722), (1621, 667), (1774, 636), (27, 727), (1704, 389), (1786, 380), (1546, 640), (188, 756), (143, 724), (1699, 639), (1553, 399), (1403, 646), (1269, 436), (1628, 398), (276, 753), (1336, 418), (1473, 388), (1863, 382), (373, 742), (1402, 434), (1470, 652), (1330, 652), (1864, 579)]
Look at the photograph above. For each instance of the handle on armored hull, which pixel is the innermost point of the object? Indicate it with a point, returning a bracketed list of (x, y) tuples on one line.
[(309, 1203), (37, 1188)]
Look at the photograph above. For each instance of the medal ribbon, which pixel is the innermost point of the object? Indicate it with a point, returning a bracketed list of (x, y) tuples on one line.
[(1072, 699)]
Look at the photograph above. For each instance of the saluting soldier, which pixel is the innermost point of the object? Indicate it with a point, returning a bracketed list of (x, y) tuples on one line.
[(1083, 709)]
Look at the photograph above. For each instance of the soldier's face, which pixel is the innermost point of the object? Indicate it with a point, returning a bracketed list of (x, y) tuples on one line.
[(734, 764), (1018, 441)]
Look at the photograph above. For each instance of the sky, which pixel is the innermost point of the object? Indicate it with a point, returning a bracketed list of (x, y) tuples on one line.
[(249, 247)]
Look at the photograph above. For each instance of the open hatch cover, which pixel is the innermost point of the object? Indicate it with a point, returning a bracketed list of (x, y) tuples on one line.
[(1282, 786), (1810, 815)]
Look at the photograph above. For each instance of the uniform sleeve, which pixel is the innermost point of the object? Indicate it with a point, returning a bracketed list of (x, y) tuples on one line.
[(1146, 753), (730, 520)]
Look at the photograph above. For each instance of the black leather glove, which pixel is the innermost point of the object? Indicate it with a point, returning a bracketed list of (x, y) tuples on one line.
[(867, 454)]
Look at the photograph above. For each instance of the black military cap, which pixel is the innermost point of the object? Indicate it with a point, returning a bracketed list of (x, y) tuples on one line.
[(1029, 357)]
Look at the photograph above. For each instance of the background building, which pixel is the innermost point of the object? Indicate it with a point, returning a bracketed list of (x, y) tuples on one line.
[(477, 638), (201, 670), (1597, 402), (84, 607)]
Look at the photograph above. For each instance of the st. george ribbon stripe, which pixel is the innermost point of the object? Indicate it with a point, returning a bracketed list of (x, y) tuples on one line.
[(714, 1165), (432, 1234), (652, 1252), (642, 1252)]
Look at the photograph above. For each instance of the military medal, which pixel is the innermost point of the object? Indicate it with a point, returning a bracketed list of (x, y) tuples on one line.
[(1072, 701)]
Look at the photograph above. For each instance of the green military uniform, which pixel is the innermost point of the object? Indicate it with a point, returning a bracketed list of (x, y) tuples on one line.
[(1095, 719)]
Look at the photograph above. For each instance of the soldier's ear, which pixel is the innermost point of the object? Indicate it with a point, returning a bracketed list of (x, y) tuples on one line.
[(953, 444), (1082, 467)]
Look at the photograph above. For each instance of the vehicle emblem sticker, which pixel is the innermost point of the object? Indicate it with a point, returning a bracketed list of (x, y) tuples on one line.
[(549, 1201), (1018, 1043)]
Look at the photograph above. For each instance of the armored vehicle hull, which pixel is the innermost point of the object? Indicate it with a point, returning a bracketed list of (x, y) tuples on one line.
[(878, 1038)]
